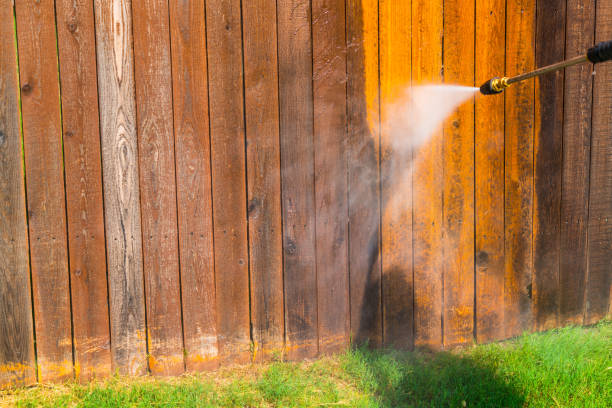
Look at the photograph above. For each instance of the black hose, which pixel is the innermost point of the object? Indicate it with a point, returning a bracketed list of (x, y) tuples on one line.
[(600, 53)]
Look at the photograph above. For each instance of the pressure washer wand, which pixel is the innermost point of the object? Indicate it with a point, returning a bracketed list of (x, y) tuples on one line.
[(600, 53)]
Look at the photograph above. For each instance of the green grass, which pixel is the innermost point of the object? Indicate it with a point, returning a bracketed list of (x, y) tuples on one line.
[(570, 367)]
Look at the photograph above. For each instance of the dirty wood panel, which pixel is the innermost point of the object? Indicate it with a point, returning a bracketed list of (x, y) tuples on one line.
[(263, 170), (458, 207), (599, 281), (520, 56), (85, 211), (223, 27), (194, 199), (489, 174), (550, 48), (42, 132), (329, 99), (297, 177), (152, 68), (121, 190), (363, 116), (17, 365), (576, 163), (427, 19)]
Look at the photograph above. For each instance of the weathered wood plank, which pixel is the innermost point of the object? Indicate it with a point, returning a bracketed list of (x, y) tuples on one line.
[(297, 177), (85, 211), (42, 132), (17, 361), (363, 116), (192, 144), (223, 27), (121, 191)]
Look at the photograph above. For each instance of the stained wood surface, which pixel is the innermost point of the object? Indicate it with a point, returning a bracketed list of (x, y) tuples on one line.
[(223, 28), (427, 204), (329, 100), (193, 182), (84, 207), (263, 170), (548, 145), (518, 167), (576, 165), (297, 177), (121, 188), (17, 360), (489, 174), (458, 209), (363, 119), (42, 133)]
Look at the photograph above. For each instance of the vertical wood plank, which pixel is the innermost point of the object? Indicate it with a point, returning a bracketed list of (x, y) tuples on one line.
[(85, 211), (152, 70), (576, 164), (329, 93), (550, 48), (223, 27), (42, 129), (489, 168), (121, 190), (363, 116), (458, 207), (518, 199), (17, 365), (297, 177), (599, 282), (263, 170), (192, 144), (427, 18)]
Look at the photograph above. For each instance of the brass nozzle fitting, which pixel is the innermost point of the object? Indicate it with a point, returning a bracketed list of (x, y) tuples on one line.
[(494, 86)]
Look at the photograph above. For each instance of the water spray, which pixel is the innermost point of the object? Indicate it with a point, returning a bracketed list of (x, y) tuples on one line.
[(600, 53)]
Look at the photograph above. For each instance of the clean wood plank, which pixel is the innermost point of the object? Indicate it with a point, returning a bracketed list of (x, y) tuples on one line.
[(458, 208), (192, 144), (263, 170), (489, 173), (85, 211), (363, 116), (225, 75), (297, 177), (42, 132), (121, 192), (152, 68), (17, 364), (329, 93), (550, 47), (599, 282), (427, 20), (518, 199)]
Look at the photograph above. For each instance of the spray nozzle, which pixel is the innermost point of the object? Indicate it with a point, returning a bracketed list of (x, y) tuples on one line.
[(494, 86)]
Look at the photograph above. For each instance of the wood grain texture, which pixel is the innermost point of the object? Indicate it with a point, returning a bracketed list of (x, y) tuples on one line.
[(363, 116), (152, 68), (17, 360), (599, 281), (297, 177), (223, 27), (489, 174), (458, 208), (576, 163), (263, 170), (42, 132), (121, 189), (427, 19), (550, 48), (193, 182), (85, 210), (518, 199), (329, 99)]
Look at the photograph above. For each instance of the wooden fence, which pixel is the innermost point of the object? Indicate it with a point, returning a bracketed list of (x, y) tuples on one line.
[(182, 182)]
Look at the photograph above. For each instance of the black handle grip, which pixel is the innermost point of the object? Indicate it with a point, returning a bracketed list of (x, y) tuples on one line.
[(601, 52)]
